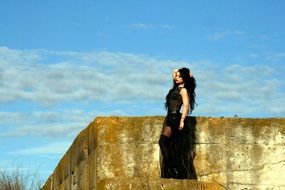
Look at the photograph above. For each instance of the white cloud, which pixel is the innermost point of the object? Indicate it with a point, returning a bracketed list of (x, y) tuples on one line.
[(98, 76), (46, 130), (269, 36), (143, 26), (225, 34), (167, 27), (49, 77), (45, 116), (254, 55), (217, 36), (245, 90), (140, 26), (49, 124), (57, 148), (276, 56)]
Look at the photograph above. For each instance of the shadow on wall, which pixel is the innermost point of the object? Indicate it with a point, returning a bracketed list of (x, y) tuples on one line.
[(183, 147)]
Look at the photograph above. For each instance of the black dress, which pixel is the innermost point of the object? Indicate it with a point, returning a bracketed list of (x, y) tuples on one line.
[(178, 150), (173, 117)]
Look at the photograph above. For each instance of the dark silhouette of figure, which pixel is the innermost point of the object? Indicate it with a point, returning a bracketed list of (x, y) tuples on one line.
[(177, 141)]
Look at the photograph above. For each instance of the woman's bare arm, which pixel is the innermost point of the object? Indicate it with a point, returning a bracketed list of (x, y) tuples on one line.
[(185, 100)]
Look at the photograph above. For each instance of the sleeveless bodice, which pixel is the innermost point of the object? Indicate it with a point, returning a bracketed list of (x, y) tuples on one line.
[(175, 101)]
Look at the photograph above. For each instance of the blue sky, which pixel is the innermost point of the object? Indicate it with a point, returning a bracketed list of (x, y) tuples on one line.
[(63, 63)]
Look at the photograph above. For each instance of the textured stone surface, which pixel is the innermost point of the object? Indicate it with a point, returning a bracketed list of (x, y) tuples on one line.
[(122, 153), (158, 184)]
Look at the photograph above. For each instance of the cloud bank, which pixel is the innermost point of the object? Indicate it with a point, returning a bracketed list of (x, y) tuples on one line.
[(48, 77), (58, 80)]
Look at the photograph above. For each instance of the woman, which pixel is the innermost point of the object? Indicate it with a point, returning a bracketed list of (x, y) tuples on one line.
[(182, 95)]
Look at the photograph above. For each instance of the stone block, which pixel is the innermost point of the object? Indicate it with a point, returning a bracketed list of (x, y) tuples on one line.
[(158, 184), (123, 153)]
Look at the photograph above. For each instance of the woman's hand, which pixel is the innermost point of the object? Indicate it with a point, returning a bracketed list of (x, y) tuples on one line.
[(174, 73), (181, 125)]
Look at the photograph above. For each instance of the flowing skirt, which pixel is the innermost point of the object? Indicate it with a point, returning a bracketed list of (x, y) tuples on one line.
[(178, 151)]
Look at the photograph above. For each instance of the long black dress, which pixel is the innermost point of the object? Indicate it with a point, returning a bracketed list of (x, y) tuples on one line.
[(178, 150)]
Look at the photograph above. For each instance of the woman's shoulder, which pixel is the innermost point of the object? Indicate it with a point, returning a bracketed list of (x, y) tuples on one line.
[(183, 90)]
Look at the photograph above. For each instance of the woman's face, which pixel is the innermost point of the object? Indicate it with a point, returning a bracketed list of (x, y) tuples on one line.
[(178, 79)]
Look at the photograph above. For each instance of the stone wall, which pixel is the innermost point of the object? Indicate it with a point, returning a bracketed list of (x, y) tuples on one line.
[(123, 153)]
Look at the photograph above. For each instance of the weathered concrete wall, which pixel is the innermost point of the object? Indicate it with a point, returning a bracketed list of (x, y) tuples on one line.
[(123, 153)]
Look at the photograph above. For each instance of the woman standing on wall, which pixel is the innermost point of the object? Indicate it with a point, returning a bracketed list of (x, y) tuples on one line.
[(182, 95)]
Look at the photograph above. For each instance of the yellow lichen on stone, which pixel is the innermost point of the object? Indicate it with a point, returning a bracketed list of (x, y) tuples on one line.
[(123, 153)]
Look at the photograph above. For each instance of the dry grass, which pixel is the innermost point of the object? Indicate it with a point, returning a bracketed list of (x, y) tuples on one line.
[(18, 180)]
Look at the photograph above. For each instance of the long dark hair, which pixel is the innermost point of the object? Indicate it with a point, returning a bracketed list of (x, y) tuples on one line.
[(189, 84)]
